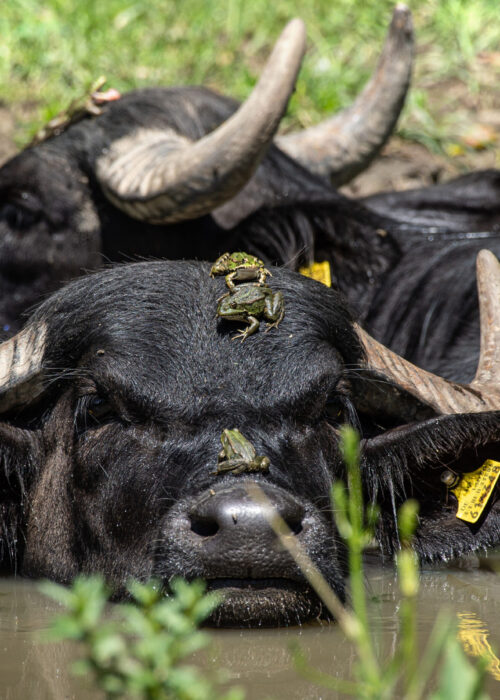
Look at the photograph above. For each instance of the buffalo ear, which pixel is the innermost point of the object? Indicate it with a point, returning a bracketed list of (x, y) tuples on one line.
[(19, 456), (409, 461)]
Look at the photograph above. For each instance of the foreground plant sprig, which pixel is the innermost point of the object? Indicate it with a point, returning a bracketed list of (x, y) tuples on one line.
[(140, 648), (403, 675)]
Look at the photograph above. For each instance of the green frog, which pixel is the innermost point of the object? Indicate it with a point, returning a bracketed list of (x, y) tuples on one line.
[(239, 267), (248, 303), (238, 455)]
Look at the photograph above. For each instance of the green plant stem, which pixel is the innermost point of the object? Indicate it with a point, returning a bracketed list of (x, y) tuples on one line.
[(313, 575), (369, 664), (409, 651), (375, 680), (352, 626), (356, 539), (443, 628)]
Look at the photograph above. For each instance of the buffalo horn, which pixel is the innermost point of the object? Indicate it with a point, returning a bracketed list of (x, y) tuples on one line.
[(443, 396), (21, 368), (342, 146), (161, 176)]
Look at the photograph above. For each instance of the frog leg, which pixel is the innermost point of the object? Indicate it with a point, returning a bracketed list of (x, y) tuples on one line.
[(229, 280), (245, 332), (231, 465), (262, 276), (241, 469), (274, 309), (240, 466), (256, 467)]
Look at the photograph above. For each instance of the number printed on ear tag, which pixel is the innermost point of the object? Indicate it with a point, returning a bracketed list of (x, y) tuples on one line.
[(474, 490)]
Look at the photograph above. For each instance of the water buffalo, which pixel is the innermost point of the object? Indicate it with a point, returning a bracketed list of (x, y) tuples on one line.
[(117, 185), (147, 176), (178, 173), (116, 393)]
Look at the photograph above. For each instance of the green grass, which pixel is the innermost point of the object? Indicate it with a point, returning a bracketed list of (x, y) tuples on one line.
[(52, 50)]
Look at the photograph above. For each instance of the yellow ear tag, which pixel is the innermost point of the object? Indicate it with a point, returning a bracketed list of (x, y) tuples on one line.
[(319, 271), (473, 491)]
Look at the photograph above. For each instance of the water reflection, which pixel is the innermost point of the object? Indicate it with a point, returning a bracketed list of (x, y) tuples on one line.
[(260, 660)]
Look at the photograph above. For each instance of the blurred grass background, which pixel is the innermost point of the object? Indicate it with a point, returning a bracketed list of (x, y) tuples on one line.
[(51, 51)]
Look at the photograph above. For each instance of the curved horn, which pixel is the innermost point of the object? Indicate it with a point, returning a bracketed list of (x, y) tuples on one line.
[(341, 147), (488, 289), (443, 396), (21, 369), (164, 177)]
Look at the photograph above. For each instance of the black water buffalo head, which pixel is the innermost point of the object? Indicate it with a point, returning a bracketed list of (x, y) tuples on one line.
[(114, 399), (171, 172)]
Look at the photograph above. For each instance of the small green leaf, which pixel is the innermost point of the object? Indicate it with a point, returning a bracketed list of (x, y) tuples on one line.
[(108, 646), (61, 594), (65, 627), (146, 594)]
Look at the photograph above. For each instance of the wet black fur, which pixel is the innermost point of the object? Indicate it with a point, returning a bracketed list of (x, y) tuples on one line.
[(102, 491)]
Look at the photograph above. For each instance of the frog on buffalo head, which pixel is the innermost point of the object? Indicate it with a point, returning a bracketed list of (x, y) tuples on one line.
[(249, 302), (113, 400), (240, 267)]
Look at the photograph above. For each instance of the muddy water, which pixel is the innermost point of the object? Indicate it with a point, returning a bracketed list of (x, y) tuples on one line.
[(260, 660)]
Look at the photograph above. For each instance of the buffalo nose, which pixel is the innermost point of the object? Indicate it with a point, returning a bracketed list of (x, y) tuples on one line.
[(232, 513), (223, 533)]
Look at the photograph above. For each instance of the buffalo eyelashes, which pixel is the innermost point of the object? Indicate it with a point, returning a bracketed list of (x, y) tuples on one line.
[(339, 410), (335, 410), (93, 411)]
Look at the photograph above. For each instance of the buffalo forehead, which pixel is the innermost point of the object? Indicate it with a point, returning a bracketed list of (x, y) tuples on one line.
[(178, 363), (174, 373), (157, 323)]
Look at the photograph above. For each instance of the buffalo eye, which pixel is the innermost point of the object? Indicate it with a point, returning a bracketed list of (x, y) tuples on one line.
[(18, 217), (339, 409), (93, 411), (334, 409)]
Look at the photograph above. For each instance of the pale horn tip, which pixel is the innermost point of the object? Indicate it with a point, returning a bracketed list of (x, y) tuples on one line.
[(402, 23), (487, 262), (296, 25), (488, 290), (294, 33)]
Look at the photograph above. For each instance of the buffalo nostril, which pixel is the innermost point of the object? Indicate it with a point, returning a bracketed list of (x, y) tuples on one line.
[(295, 524), (204, 526)]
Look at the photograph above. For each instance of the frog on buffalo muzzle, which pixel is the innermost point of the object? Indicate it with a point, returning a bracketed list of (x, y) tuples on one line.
[(238, 455)]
